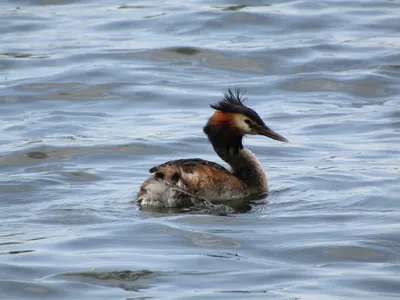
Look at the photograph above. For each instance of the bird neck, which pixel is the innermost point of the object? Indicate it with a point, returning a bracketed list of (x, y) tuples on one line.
[(245, 166), (227, 143)]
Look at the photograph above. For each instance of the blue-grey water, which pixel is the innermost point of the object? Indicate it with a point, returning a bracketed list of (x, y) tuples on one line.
[(94, 93)]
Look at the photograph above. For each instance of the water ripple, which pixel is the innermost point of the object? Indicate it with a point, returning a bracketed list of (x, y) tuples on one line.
[(93, 94)]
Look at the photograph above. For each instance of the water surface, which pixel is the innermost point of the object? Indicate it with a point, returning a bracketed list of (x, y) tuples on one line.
[(94, 93)]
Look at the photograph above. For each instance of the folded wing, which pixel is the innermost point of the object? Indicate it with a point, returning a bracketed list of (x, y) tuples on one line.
[(196, 176)]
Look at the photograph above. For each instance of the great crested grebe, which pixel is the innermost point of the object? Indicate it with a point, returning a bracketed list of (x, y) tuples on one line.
[(186, 182)]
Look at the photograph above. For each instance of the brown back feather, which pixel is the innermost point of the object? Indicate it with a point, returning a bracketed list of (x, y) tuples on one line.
[(197, 174)]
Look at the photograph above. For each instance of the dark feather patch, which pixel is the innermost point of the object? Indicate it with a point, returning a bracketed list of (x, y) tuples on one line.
[(159, 175), (175, 177), (233, 103), (231, 99), (222, 137)]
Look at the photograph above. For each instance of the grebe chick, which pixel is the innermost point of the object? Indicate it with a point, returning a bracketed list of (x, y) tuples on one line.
[(186, 182)]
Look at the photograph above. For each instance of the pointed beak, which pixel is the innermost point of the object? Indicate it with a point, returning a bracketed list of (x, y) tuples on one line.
[(266, 131)]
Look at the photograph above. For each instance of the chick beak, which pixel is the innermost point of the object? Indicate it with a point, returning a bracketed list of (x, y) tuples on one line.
[(266, 131)]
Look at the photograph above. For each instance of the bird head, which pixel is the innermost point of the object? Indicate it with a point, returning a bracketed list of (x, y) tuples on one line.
[(234, 117)]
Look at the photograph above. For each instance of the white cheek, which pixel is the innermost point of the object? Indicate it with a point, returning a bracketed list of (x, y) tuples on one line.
[(241, 124)]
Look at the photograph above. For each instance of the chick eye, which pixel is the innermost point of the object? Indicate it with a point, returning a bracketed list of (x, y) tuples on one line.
[(248, 122)]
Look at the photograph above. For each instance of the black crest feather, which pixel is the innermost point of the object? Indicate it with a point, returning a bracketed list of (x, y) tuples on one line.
[(230, 101), (233, 103)]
